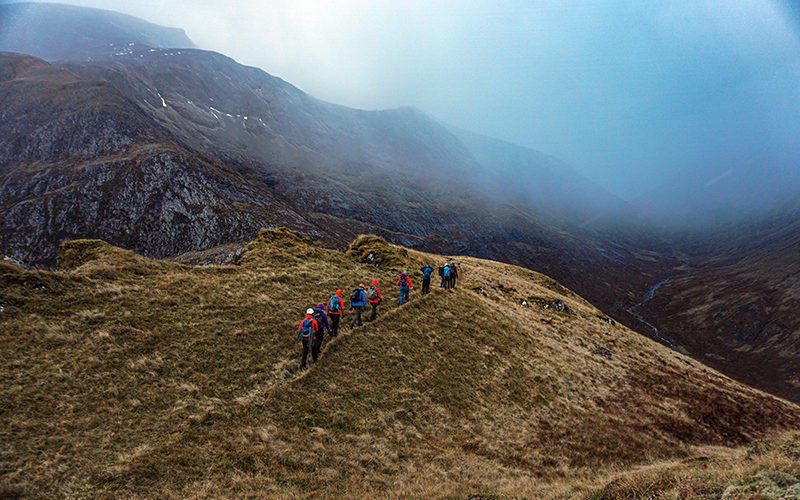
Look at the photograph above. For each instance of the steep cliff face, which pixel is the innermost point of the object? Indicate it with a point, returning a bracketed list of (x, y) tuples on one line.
[(79, 159)]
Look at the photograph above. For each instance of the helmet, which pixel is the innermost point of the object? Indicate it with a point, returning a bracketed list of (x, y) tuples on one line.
[(309, 311), (452, 262), (361, 285), (405, 272), (320, 305)]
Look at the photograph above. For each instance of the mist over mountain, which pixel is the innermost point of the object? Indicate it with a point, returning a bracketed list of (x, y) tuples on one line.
[(41, 29)]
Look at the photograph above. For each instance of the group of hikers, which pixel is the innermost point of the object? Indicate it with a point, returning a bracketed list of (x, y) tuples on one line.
[(316, 322)]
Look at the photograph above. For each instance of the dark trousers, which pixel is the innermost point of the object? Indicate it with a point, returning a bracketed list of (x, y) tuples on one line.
[(356, 316), (305, 354), (317, 345), (426, 286), (374, 311), (334, 324), (453, 281), (446, 282)]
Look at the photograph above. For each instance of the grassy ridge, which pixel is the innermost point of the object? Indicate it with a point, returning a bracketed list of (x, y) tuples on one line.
[(127, 376)]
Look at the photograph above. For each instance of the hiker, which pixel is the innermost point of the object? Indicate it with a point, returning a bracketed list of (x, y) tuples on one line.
[(441, 275), (446, 274), (374, 297), (335, 311), (306, 333), (322, 325), (358, 302), (405, 285), (426, 279), (453, 274)]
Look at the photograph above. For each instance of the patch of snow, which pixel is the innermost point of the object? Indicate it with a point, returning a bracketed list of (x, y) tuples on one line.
[(131, 44), (2, 308), (152, 50), (245, 118), (163, 102)]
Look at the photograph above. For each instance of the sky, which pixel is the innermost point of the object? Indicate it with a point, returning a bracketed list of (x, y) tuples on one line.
[(631, 93)]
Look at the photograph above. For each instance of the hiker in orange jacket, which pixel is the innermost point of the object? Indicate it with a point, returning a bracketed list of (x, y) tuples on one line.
[(335, 311), (374, 298), (405, 286), (307, 334)]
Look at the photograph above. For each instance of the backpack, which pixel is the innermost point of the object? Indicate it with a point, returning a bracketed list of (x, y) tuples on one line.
[(372, 293), (403, 280), (307, 330), (441, 271), (355, 297), (318, 317), (446, 271), (426, 273), (333, 304)]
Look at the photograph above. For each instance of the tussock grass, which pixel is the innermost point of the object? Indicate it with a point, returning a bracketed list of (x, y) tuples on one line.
[(125, 376)]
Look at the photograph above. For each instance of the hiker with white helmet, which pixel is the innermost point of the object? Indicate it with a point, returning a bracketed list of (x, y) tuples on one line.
[(307, 334)]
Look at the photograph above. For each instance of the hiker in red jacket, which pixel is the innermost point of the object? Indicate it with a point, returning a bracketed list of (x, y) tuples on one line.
[(405, 286), (374, 297), (307, 334), (335, 310)]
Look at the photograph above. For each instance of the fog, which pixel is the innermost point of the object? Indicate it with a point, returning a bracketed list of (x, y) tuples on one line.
[(632, 94)]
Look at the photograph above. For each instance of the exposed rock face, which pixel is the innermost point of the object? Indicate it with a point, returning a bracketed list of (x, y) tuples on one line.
[(80, 160)]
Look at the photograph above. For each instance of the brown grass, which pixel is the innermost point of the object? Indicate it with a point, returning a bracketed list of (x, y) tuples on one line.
[(124, 376)]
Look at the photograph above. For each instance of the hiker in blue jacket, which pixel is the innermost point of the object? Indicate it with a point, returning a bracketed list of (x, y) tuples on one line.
[(446, 277), (358, 302), (322, 324), (426, 279)]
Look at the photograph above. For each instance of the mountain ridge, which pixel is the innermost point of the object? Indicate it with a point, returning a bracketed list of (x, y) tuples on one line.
[(204, 395)]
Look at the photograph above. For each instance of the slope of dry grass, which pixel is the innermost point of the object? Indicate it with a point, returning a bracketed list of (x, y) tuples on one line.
[(127, 376)]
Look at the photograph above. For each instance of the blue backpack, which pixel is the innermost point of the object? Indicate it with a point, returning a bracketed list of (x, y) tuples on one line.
[(307, 330), (426, 272), (403, 280), (333, 304)]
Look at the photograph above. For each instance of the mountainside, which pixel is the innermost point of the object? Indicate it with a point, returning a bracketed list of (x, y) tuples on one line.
[(396, 173), (63, 32), (78, 159), (124, 376)]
